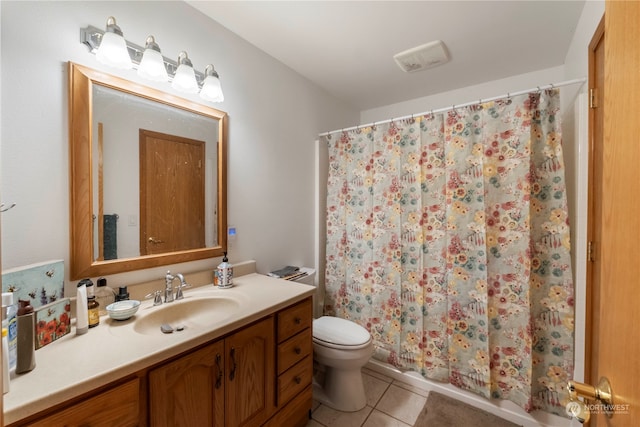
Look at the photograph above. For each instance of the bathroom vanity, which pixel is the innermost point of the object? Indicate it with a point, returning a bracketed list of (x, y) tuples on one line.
[(243, 359)]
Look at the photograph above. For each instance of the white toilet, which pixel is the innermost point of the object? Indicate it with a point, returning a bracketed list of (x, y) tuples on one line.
[(341, 348)]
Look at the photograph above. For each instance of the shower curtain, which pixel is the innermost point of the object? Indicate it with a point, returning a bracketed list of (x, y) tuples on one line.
[(448, 239)]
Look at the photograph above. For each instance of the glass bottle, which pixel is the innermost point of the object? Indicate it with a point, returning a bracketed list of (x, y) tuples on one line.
[(104, 296), (92, 307)]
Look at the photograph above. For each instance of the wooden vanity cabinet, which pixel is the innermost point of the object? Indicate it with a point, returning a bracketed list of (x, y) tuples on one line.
[(227, 383), (258, 375)]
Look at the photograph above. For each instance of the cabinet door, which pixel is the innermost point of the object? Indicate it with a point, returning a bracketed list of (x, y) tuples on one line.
[(250, 361), (189, 391)]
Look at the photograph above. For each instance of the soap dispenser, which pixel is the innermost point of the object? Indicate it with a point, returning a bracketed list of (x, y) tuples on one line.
[(224, 273)]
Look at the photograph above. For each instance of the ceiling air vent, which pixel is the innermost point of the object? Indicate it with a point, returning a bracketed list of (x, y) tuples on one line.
[(422, 57)]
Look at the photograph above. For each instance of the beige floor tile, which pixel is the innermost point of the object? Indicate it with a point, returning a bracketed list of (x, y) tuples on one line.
[(314, 423), (314, 405), (401, 404), (377, 375), (380, 419), (374, 388), (332, 418), (411, 388)]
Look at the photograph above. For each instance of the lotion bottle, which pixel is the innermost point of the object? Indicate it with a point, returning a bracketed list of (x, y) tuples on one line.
[(26, 360), (10, 322), (82, 311), (5, 361)]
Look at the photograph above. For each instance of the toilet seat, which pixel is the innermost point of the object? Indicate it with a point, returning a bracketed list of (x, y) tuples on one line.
[(338, 333)]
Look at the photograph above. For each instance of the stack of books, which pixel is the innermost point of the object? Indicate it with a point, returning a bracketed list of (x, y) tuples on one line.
[(289, 272)]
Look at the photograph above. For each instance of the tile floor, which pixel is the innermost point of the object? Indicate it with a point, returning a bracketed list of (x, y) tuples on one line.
[(390, 403)]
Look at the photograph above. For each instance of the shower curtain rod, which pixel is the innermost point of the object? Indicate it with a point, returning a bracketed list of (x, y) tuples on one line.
[(453, 107)]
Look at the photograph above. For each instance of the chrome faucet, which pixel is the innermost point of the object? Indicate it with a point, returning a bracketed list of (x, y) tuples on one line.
[(168, 290)]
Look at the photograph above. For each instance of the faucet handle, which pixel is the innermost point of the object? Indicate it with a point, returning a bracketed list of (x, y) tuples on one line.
[(179, 294), (156, 295)]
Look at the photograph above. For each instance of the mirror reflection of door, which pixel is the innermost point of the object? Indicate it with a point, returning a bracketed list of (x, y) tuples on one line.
[(172, 182)]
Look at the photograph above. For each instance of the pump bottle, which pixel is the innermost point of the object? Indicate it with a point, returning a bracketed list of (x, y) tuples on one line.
[(224, 273)]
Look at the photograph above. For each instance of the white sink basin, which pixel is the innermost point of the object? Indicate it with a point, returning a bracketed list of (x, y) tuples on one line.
[(188, 313)]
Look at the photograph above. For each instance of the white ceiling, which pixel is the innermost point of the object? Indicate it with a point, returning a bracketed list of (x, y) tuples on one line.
[(347, 47)]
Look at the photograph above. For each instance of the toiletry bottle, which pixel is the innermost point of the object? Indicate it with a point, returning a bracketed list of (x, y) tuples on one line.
[(26, 338), (82, 311), (92, 307), (225, 273), (123, 294), (9, 312), (5, 361), (104, 295)]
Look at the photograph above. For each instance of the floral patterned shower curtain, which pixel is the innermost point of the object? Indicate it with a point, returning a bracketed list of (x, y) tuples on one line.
[(448, 239)]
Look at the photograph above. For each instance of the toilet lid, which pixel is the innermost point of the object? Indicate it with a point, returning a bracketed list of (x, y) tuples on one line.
[(335, 330)]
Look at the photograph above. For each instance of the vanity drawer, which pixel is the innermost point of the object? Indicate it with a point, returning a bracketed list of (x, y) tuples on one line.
[(294, 319), (294, 350), (295, 380), (118, 406)]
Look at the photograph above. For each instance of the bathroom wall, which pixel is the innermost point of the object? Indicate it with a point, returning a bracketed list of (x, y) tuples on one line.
[(274, 117)]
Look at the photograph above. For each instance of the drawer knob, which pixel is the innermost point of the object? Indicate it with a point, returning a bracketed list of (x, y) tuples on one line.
[(297, 350), (298, 380), (297, 320)]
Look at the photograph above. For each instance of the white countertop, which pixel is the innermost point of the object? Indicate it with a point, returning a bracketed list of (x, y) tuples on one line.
[(76, 364)]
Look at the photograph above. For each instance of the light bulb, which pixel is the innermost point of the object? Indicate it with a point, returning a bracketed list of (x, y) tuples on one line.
[(113, 48), (185, 78), (211, 88), (152, 64)]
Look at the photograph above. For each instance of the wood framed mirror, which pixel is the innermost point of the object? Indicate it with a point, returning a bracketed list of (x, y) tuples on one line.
[(147, 176)]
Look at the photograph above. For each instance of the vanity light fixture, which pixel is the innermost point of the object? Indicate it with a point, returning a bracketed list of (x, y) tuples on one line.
[(152, 65), (211, 89), (185, 78), (113, 48), (95, 39)]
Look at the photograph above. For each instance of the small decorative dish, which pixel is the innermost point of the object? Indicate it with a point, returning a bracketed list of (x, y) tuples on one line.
[(122, 310)]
